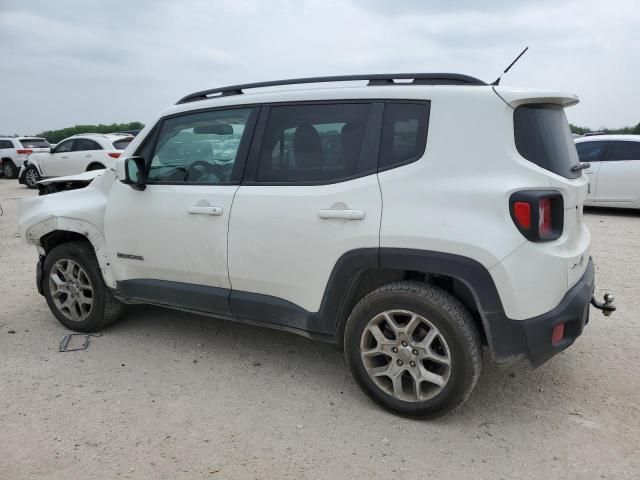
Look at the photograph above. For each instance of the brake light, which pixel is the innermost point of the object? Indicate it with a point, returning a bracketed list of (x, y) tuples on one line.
[(522, 212), (538, 214), (114, 154), (22, 151)]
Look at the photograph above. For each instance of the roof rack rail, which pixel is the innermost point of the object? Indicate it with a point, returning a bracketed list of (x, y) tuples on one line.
[(373, 79)]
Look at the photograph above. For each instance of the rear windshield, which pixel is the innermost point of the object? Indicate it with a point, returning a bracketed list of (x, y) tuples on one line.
[(543, 137), (122, 144), (35, 143)]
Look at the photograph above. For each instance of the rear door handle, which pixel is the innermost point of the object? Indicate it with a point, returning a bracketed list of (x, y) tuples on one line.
[(196, 209), (88, 155), (342, 214)]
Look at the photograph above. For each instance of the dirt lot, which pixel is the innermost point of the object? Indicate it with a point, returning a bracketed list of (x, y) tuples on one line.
[(164, 394)]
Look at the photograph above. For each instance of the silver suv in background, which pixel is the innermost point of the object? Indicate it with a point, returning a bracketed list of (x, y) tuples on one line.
[(15, 150)]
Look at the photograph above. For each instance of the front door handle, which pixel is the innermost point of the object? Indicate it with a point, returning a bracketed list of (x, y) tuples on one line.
[(344, 214), (208, 210)]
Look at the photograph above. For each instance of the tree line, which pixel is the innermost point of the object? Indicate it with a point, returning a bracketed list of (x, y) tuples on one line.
[(54, 136), (624, 130)]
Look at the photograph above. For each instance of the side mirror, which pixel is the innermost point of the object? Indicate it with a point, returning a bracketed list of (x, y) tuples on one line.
[(135, 174), (52, 149)]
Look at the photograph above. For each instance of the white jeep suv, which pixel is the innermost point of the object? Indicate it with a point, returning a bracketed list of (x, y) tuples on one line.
[(73, 155), (409, 222), (15, 150)]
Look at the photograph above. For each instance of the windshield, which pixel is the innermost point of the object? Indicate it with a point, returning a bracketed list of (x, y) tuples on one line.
[(543, 137), (35, 143)]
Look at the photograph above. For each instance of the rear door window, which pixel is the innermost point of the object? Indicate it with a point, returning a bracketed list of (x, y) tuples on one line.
[(590, 151), (404, 133), (314, 143), (621, 150), (543, 137), (83, 144)]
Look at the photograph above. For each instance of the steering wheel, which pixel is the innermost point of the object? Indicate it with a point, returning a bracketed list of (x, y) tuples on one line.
[(204, 168)]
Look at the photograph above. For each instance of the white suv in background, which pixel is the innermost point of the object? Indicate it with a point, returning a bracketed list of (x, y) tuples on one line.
[(15, 150), (267, 208), (80, 153), (614, 171)]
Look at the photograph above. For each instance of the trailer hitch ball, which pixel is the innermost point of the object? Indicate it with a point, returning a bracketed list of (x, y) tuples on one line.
[(607, 307)]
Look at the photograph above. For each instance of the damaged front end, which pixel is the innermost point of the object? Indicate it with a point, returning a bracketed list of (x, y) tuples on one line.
[(70, 182)]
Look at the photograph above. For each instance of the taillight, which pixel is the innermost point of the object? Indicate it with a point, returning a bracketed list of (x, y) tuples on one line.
[(538, 214), (22, 151), (114, 154), (522, 212)]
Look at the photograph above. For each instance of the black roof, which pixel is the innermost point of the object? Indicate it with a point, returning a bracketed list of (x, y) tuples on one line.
[(373, 79)]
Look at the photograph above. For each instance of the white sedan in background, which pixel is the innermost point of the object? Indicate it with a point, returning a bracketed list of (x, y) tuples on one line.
[(77, 154), (614, 175)]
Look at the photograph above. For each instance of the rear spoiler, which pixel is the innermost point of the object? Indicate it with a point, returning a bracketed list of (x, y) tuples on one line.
[(519, 96)]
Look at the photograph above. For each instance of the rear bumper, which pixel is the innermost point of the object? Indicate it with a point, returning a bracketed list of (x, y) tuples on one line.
[(528, 341)]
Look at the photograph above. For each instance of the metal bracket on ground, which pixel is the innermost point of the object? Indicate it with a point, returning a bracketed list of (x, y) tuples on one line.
[(66, 340)]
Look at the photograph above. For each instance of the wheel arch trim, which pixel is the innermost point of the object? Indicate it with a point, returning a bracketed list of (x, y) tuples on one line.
[(475, 276), (94, 236)]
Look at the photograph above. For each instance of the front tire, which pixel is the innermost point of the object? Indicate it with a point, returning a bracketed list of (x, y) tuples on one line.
[(75, 291), (31, 177), (9, 169), (414, 349)]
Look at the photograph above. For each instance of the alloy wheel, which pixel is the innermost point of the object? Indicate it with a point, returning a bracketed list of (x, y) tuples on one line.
[(31, 177), (405, 355), (71, 290)]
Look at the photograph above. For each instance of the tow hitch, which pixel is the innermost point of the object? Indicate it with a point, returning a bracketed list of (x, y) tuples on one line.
[(607, 306)]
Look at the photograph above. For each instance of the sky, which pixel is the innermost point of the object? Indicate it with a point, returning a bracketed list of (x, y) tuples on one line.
[(68, 62)]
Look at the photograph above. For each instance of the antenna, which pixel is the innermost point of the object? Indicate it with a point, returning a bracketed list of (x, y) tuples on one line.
[(497, 80)]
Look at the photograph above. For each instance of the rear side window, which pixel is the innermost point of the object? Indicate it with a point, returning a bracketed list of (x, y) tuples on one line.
[(590, 151), (404, 133), (543, 137), (313, 143), (122, 144), (82, 144), (623, 151), (35, 143), (6, 144)]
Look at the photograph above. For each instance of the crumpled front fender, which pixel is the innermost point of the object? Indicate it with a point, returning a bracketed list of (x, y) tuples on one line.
[(80, 211)]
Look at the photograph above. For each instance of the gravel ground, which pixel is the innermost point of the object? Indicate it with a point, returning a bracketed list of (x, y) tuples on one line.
[(164, 394)]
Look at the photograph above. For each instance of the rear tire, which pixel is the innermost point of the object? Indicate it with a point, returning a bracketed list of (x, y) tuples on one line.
[(95, 166), (9, 169), (414, 349), (75, 291), (31, 177)]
